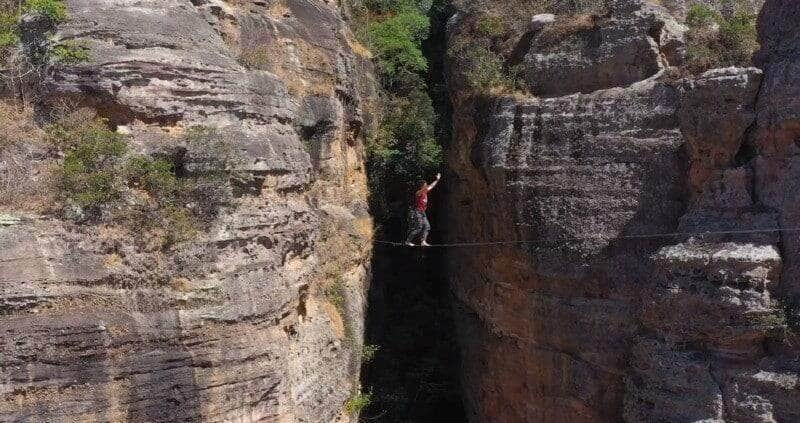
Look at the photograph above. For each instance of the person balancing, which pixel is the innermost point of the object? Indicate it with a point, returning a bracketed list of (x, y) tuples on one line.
[(418, 221)]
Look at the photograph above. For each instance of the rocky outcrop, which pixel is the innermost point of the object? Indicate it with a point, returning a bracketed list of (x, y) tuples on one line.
[(608, 299), (588, 53), (235, 326), (773, 143), (681, 7)]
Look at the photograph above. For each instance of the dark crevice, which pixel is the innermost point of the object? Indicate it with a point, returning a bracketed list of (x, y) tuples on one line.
[(414, 376), (521, 49)]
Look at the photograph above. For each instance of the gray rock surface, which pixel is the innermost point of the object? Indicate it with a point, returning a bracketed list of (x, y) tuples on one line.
[(681, 7), (540, 21), (633, 42), (714, 118), (236, 325), (584, 319)]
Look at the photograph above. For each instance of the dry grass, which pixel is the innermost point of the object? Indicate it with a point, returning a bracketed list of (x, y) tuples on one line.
[(518, 17), (364, 228), (112, 261), (255, 58), (26, 179), (181, 284), (279, 10), (490, 41), (357, 47), (567, 26), (18, 125), (304, 68)]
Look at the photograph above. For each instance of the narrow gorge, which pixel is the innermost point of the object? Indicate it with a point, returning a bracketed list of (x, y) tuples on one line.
[(199, 201)]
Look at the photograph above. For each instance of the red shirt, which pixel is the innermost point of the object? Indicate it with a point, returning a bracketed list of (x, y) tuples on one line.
[(422, 200)]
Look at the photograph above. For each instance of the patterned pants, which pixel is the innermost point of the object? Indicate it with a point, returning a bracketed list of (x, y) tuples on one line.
[(418, 226)]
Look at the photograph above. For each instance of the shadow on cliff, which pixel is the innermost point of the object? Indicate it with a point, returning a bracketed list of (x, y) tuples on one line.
[(168, 392), (414, 375)]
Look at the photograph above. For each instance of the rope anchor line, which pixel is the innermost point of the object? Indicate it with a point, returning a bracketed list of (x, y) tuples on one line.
[(635, 236)]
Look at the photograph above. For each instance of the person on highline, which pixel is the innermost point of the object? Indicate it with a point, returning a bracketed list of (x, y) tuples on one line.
[(418, 222)]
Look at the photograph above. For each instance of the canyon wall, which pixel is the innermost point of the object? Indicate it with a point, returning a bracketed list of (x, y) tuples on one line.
[(606, 301), (238, 324)]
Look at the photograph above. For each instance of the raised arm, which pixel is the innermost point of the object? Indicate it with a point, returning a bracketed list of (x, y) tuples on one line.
[(433, 184)]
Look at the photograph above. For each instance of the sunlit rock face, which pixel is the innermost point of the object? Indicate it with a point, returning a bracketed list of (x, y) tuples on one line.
[(584, 319), (234, 326)]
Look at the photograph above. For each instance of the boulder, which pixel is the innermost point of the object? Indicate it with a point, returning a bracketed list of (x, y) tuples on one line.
[(540, 21)]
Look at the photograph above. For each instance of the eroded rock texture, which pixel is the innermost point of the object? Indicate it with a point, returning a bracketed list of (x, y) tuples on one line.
[(590, 317), (97, 326)]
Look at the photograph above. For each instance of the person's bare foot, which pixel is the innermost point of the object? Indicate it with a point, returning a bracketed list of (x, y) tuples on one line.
[(410, 244), (425, 244)]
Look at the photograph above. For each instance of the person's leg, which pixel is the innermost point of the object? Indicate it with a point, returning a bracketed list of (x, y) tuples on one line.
[(426, 228), (413, 227)]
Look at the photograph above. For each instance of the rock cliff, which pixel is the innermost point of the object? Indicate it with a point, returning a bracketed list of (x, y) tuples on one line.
[(236, 325), (594, 314)]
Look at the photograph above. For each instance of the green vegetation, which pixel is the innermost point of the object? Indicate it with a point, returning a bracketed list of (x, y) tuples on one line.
[(42, 52), (70, 52), (55, 10), (738, 35), (336, 294), (491, 26), (368, 353), (484, 50), (358, 402), (156, 176), (717, 41), (256, 58), (8, 29), (174, 194), (179, 223), (484, 68), (405, 148), (88, 172), (91, 161), (773, 321), (396, 41), (67, 52), (782, 322), (700, 15)]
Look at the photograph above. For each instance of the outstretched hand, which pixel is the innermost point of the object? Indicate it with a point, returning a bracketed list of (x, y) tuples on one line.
[(433, 184)]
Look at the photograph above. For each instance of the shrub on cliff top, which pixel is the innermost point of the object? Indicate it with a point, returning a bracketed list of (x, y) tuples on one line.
[(70, 52), (55, 10), (739, 37), (716, 40), (8, 28), (700, 15)]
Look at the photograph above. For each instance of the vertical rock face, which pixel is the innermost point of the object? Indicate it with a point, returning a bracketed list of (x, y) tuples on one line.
[(235, 327), (593, 315)]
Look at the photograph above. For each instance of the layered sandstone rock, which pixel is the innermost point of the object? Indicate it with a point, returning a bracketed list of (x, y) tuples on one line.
[(596, 315), (629, 44), (234, 326)]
